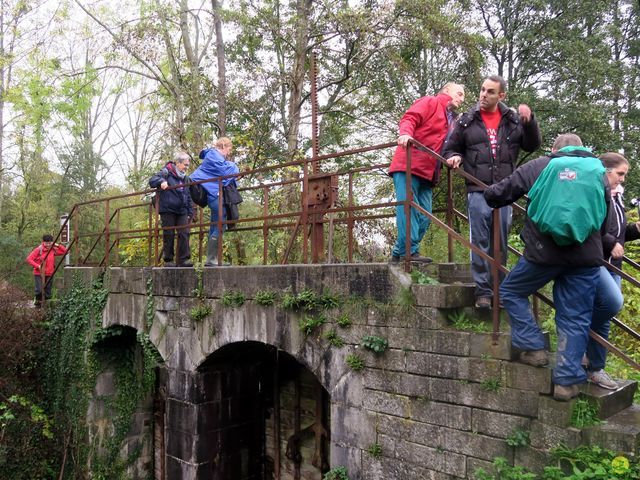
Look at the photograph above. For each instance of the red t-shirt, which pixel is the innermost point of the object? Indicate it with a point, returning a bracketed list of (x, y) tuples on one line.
[(491, 122)]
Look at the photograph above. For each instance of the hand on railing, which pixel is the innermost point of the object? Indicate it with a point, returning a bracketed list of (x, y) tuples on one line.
[(454, 162)]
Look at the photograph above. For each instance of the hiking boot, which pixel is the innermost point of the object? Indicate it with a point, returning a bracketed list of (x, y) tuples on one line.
[(602, 379), (415, 257), (564, 393), (169, 264), (185, 264), (483, 302), (535, 358)]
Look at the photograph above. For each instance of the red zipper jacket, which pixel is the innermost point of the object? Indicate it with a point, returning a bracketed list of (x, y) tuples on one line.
[(38, 254), (426, 121)]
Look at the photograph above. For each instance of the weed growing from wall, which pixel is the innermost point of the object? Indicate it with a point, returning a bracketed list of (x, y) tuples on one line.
[(377, 345), (375, 450), (584, 414), (334, 339), (233, 299), (355, 362), (336, 473), (265, 298), (518, 438)]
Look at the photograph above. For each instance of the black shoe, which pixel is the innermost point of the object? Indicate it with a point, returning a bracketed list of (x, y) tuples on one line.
[(169, 264), (483, 302), (186, 264), (416, 257)]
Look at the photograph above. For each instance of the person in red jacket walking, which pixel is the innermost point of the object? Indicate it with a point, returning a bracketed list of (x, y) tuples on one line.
[(426, 121), (44, 253)]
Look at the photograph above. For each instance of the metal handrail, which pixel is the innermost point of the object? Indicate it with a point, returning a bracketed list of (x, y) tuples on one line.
[(300, 218)]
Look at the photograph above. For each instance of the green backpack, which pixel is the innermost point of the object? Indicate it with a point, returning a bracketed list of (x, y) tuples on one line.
[(567, 199)]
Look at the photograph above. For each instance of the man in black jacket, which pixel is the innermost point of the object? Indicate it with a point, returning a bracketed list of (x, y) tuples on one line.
[(574, 269), (486, 141)]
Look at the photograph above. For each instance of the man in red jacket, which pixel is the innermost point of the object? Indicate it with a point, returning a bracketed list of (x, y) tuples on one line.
[(45, 252), (426, 121)]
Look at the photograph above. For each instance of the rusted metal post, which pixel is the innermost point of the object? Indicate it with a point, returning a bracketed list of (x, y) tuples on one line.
[(450, 214), (117, 243), (76, 235), (200, 232), (107, 243), (150, 236), (350, 222), (305, 211), (265, 226), (220, 225), (157, 231), (495, 273)]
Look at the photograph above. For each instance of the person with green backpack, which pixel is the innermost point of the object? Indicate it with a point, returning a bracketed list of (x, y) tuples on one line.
[(566, 217)]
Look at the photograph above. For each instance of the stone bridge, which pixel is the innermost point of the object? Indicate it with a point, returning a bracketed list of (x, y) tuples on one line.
[(282, 372)]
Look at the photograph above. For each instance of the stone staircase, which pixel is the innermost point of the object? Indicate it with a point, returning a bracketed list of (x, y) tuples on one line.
[(550, 425)]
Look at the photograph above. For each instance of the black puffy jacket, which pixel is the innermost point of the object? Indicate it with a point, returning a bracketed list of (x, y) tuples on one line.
[(470, 140), (177, 200), (538, 247)]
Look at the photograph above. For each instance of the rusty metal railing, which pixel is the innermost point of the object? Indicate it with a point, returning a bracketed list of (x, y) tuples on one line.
[(304, 219)]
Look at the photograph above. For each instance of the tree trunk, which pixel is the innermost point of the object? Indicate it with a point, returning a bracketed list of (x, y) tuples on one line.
[(222, 70), (303, 11)]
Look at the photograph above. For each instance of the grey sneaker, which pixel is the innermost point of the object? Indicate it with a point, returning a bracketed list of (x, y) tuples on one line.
[(536, 358), (483, 302), (564, 393), (602, 379)]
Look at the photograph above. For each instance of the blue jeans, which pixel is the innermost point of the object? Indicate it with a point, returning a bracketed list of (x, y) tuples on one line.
[(480, 235), (607, 303), (574, 290), (422, 195), (213, 206)]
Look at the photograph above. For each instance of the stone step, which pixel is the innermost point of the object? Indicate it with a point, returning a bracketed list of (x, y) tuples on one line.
[(620, 432), (444, 295), (454, 273), (610, 402)]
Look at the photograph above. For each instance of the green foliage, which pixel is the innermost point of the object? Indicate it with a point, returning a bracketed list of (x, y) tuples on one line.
[(584, 414), (309, 301), (377, 345), (233, 299), (355, 362), (336, 473), (460, 321), (421, 278), (343, 320), (375, 450), (518, 438), (592, 462), (200, 312), (581, 463), (490, 385), (334, 339), (265, 298), (309, 324), (504, 471)]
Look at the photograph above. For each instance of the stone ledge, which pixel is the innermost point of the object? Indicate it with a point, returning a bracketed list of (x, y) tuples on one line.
[(443, 296)]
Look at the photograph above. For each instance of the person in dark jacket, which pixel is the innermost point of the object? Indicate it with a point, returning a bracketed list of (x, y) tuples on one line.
[(175, 208), (486, 141), (427, 121), (609, 298), (573, 268)]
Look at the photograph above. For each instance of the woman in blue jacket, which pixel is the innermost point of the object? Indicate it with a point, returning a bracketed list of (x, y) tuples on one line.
[(175, 208), (215, 163)]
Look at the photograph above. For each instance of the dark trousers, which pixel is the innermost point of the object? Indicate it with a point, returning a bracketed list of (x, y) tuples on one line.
[(174, 220), (47, 288)]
